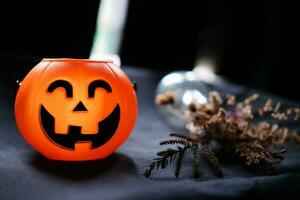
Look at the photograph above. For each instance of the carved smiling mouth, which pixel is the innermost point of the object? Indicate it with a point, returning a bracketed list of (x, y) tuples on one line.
[(106, 130)]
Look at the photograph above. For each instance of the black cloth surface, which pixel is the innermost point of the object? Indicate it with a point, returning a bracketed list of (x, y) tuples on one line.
[(24, 174)]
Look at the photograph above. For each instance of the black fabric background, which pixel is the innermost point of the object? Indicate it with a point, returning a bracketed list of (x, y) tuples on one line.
[(24, 174)]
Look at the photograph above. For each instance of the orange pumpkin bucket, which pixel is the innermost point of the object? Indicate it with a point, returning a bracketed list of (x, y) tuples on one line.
[(73, 109)]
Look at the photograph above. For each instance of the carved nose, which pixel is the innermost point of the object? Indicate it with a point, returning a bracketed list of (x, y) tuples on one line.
[(80, 107)]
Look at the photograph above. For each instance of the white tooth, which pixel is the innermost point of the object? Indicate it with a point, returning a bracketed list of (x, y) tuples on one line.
[(61, 127), (90, 129)]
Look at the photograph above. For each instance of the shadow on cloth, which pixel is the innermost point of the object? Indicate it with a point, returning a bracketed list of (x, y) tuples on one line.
[(116, 163)]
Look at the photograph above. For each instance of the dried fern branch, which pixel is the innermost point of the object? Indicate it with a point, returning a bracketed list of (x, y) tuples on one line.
[(165, 157), (213, 162), (172, 142), (173, 134), (196, 161), (179, 163)]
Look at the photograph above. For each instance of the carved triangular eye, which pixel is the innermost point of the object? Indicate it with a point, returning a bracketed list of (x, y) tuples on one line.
[(80, 107)]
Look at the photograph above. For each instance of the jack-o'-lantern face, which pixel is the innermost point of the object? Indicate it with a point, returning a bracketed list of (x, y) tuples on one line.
[(81, 125), (72, 109)]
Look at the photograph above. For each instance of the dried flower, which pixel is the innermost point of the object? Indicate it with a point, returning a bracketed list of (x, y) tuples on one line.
[(230, 100), (268, 107), (251, 99), (192, 107), (236, 130), (279, 116), (295, 111), (215, 101), (255, 153), (165, 99)]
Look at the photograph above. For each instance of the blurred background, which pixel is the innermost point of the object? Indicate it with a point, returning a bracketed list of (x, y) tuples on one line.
[(251, 43)]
